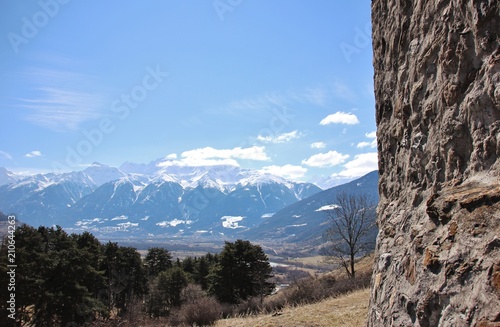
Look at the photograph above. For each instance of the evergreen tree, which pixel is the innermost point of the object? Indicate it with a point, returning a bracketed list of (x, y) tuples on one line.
[(201, 272), (126, 276), (56, 285), (157, 260), (172, 282), (166, 291), (242, 272)]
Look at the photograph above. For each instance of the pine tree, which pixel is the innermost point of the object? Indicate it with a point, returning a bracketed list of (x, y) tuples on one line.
[(157, 260), (243, 272)]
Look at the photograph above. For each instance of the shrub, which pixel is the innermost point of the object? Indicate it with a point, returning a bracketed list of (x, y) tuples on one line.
[(204, 312), (248, 307), (274, 302), (312, 289)]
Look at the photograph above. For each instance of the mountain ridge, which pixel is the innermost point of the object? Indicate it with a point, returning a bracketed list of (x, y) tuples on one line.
[(105, 198)]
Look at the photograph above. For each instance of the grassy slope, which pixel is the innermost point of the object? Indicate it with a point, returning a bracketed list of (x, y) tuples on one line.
[(349, 310)]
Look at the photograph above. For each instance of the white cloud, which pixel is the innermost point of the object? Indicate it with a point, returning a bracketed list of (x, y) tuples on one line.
[(318, 145), (33, 154), (252, 153), (329, 159), (288, 171), (371, 135), (371, 144), (209, 156), (363, 144), (340, 117), (281, 138), (171, 156), (361, 165)]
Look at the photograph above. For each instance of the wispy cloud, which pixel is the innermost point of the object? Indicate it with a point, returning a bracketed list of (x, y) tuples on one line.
[(60, 99), (6, 155), (260, 102), (280, 138), (340, 118), (319, 96), (341, 90), (61, 109), (33, 154)]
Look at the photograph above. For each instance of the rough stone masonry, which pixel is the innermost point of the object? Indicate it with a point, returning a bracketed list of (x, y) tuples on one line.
[(437, 89)]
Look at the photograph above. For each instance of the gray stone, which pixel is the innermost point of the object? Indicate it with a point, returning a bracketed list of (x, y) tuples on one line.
[(437, 90)]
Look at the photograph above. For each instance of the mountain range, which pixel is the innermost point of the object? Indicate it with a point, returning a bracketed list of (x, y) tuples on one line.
[(157, 199)]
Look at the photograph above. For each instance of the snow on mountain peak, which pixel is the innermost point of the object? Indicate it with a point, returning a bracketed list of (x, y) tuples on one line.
[(257, 178), (7, 177), (101, 174)]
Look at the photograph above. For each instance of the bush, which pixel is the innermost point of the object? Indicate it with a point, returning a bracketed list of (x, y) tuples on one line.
[(310, 290), (248, 307), (204, 312), (274, 303)]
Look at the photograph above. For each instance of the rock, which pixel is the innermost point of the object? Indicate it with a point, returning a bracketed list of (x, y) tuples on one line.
[(384, 261), (437, 90)]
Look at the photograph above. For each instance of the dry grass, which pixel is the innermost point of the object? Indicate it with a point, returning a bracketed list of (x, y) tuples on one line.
[(363, 266), (349, 310)]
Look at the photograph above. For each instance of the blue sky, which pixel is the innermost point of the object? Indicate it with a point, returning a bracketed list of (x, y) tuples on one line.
[(284, 86)]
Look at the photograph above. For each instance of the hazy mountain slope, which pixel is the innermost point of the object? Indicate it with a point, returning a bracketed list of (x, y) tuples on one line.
[(306, 219)]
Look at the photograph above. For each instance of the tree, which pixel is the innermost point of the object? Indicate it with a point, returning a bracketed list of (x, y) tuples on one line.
[(172, 282), (352, 231), (59, 280), (243, 271), (157, 260), (166, 292), (125, 274)]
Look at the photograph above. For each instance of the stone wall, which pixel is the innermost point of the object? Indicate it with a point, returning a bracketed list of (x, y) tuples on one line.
[(437, 88)]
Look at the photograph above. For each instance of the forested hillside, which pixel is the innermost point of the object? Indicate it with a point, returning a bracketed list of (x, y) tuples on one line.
[(63, 279)]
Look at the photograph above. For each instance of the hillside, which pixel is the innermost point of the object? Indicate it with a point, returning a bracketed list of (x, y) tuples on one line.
[(344, 311), (306, 220)]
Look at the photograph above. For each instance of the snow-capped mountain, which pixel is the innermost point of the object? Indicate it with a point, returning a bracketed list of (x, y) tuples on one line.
[(7, 177), (101, 174), (43, 199), (154, 198)]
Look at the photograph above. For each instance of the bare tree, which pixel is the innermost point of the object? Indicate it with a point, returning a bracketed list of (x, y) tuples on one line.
[(353, 230)]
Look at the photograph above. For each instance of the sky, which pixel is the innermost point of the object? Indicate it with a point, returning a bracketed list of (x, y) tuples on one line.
[(282, 86)]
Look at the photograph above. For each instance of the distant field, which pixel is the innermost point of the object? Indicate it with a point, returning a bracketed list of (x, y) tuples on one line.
[(347, 311)]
